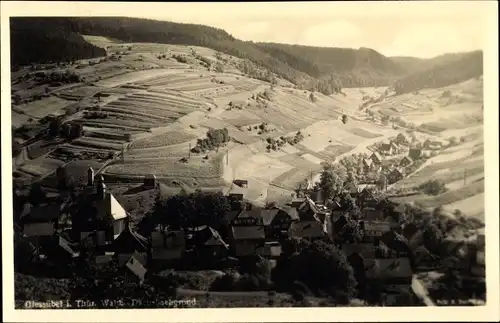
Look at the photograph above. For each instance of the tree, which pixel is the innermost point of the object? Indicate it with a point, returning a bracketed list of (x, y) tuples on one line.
[(432, 237), (219, 67), (433, 187), (322, 268), (332, 179), (36, 194), (312, 97), (344, 119), (350, 232), (382, 182)]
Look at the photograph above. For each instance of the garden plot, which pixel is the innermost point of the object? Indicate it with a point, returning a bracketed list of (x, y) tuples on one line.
[(77, 93), (19, 119), (334, 151), (236, 134), (41, 166), (449, 197), (166, 139), (111, 124), (43, 147), (98, 143), (262, 167), (44, 107), (291, 179), (115, 134), (299, 162), (240, 118), (472, 206), (178, 151), (134, 77), (172, 168)]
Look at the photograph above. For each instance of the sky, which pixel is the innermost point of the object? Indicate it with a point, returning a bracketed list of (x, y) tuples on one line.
[(393, 29)]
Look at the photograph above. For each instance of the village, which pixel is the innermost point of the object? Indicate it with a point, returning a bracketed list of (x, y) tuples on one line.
[(371, 231)]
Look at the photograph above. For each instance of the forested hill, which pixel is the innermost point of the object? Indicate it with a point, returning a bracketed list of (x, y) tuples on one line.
[(35, 41), (443, 71), (316, 68), (354, 67)]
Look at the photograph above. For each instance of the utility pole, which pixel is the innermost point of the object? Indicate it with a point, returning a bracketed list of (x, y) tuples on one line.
[(465, 177), (189, 152), (227, 158), (123, 152)]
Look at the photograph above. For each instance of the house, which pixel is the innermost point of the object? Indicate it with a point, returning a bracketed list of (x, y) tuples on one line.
[(128, 243), (271, 249), (236, 201), (136, 265), (386, 148), (281, 222), (149, 181), (250, 216), (38, 221), (396, 175), (367, 165), (167, 246), (209, 245), (351, 189), (247, 239), (309, 230), (397, 245), (267, 219), (394, 147), (405, 161), (401, 139), (241, 183), (339, 209), (415, 153), (100, 213), (296, 202), (395, 275), (373, 229), (376, 158)]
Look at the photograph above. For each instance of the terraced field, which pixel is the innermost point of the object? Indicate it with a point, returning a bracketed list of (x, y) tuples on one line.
[(158, 107)]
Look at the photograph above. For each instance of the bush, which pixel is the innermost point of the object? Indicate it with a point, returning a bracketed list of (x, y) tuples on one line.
[(433, 187)]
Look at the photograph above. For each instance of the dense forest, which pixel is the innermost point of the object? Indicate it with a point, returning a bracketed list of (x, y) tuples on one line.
[(443, 71), (34, 41), (323, 69)]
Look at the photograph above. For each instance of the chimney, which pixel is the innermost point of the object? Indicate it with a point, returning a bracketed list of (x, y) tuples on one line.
[(101, 190), (90, 176)]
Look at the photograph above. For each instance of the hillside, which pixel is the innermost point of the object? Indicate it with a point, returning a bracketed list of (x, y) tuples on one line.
[(353, 67), (442, 71), (321, 69), (35, 41)]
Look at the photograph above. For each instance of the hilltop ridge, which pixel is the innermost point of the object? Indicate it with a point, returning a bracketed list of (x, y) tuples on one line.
[(322, 69)]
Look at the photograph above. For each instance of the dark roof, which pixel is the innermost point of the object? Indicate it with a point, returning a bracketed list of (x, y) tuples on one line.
[(376, 154), (307, 210), (40, 213), (395, 241), (409, 230), (385, 146), (248, 232), (268, 215), (255, 212), (209, 237), (168, 238), (231, 215), (130, 241), (289, 211)]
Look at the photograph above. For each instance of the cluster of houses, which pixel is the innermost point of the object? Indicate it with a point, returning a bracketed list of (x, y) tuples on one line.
[(395, 168), (103, 226)]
